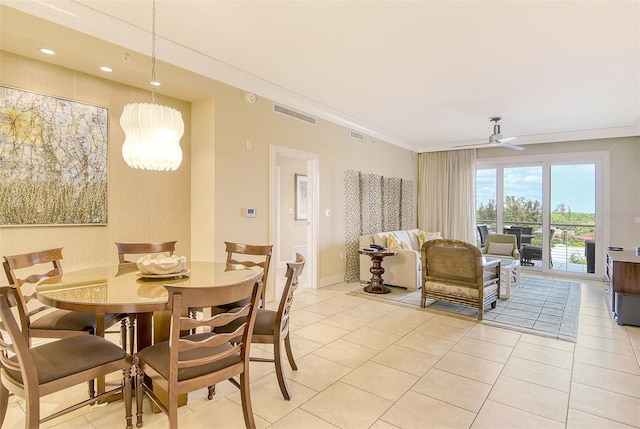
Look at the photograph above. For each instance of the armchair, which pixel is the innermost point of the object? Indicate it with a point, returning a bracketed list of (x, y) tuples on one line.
[(454, 271), (501, 246)]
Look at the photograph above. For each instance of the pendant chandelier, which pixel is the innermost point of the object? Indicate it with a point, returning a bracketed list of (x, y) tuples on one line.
[(152, 131)]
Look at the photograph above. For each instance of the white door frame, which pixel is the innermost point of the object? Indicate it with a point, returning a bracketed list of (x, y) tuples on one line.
[(313, 180)]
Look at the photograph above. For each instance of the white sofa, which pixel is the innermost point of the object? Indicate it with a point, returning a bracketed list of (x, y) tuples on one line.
[(404, 269)]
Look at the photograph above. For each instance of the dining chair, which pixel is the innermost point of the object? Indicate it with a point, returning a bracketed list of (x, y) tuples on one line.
[(184, 364), (41, 321), (143, 249), (251, 255), (272, 326), (33, 372), (127, 249)]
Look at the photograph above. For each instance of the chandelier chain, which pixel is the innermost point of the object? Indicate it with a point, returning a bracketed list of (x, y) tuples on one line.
[(153, 53)]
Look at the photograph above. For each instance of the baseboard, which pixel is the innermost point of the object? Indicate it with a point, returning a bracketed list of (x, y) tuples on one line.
[(331, 280)]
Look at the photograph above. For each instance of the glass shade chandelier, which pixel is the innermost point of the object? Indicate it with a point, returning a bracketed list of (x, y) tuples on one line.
[(152, 131)]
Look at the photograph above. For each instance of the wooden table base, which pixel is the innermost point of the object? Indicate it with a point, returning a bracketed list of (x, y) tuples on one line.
[(376, 284)]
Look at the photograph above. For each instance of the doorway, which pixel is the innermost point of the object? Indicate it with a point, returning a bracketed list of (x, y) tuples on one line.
[(294, 213)]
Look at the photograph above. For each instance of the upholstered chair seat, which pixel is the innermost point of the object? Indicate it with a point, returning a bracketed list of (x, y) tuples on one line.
[(59, 359), (156, 357)]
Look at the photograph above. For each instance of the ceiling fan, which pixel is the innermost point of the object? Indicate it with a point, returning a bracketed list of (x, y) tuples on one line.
[(496, 138)]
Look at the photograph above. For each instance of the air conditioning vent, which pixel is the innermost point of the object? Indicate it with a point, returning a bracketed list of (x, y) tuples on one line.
[(293, 114), (357, 136)]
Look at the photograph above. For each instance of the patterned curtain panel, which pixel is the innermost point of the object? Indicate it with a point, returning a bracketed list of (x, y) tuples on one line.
[(391, 192), (406, 205), (371, 203), (353, 225)]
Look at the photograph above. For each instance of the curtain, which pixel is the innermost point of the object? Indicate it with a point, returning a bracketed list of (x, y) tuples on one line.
[(446, 193)]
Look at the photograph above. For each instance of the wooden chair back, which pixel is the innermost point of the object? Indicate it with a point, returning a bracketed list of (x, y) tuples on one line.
[(252, 256), (278, 334), (453, 261), (294, 269), (202, 359), (31, 373), (143, 249), (16, 264)]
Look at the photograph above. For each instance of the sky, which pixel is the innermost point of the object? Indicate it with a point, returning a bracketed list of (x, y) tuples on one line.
[(573, 185)]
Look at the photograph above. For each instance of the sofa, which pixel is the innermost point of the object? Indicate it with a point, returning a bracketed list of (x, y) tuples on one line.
[(404, 269)]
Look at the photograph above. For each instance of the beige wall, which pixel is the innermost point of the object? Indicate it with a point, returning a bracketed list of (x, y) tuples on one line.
[(143, 206), (624, 188), (242, 176)]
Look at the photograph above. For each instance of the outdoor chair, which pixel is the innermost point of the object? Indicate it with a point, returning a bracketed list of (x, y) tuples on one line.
[(483, 230), (515, 231)]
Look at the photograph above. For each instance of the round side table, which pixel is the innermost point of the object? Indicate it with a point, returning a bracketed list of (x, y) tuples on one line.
[(376, 284)]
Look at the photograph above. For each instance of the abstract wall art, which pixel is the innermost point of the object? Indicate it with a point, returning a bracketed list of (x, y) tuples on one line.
[(53, 160)]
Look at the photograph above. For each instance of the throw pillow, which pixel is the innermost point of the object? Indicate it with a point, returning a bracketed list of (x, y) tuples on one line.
[(500, 249), (393, 243), (426, 236)]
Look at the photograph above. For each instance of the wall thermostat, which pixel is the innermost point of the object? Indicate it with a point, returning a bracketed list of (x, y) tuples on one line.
[(250, 213)]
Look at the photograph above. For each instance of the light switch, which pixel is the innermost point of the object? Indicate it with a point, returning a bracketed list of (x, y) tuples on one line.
[(327, 212)]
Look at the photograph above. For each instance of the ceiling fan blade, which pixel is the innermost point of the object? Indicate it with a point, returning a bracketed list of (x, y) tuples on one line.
[(511, 146), (507, 139)]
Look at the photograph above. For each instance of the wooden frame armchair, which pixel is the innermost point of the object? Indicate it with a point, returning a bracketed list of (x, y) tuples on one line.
[(32, 373), (183, 364), (454, 271)]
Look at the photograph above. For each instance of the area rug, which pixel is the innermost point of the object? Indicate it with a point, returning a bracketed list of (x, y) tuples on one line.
[(540, 306)]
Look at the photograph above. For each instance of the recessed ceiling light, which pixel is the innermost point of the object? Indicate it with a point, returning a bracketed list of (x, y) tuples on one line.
[(155, 83), (106, 69), (47, 51)]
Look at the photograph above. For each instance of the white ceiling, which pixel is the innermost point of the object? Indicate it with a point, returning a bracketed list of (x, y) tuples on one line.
[(425, 75)]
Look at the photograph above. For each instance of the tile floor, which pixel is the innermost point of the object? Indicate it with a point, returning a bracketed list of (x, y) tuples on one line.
[(367, 364)]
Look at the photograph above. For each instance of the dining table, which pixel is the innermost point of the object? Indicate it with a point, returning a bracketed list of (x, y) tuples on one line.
[(124, 289)]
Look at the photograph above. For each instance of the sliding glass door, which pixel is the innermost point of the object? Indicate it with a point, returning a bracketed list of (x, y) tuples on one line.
[(573, 217), (550, 205)]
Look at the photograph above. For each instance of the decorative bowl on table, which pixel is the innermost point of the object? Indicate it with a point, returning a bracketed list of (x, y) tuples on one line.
[(161, 265)]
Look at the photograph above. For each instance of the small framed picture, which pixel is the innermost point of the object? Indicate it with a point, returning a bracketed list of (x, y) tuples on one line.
[(301, 200)]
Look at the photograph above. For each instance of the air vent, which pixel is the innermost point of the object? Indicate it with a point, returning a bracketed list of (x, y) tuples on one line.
[(296, 115), (357, 136)]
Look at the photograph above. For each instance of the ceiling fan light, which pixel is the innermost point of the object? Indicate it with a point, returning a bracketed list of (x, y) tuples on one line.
[(152, 136)]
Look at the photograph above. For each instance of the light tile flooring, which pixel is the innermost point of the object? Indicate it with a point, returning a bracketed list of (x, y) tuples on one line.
[(367, 364)]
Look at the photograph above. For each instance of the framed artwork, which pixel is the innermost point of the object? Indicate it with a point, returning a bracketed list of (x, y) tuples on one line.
[(301, 200), (53, 160)]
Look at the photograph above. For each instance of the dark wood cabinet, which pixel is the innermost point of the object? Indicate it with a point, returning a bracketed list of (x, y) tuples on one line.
[(622, 285)]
